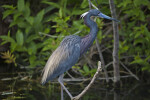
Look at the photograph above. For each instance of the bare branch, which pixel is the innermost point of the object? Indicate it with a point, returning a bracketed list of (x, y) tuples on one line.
[(90, 84), (129, 71), (91, 4), (52, 36), (102, 60)]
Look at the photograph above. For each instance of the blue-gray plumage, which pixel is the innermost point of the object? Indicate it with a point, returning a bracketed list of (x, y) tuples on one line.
[(71, 49), (63, 58)]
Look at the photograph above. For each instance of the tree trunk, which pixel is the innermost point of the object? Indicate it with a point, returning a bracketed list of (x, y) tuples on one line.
[(116, 45)]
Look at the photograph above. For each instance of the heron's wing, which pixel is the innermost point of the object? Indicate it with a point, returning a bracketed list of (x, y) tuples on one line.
[(63, 58)]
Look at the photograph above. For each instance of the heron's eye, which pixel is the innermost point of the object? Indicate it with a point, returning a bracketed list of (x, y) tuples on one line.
[(99, 12)]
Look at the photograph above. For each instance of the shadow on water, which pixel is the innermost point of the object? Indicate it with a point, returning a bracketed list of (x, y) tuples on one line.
[(27, 89)]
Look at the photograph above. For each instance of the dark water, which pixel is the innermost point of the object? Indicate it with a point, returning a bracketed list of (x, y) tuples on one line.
[(28, 89)]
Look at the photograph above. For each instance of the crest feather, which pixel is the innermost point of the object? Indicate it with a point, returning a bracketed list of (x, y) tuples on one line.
[(84, 14)]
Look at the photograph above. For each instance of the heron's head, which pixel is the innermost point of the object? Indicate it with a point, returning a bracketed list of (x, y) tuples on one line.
[(97, 13)]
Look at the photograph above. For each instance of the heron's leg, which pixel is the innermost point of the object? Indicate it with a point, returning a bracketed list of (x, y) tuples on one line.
[(60, 80), (62, 94)]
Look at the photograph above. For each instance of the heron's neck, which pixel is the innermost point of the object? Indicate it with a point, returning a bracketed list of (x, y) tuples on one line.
[(87, 41), (92, 25)]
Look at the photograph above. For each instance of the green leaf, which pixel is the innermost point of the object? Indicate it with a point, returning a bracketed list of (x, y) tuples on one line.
[(39, 17), (141, 2), (23, 24), (32, 49), (139, 61), (81, 71), (139, 40), (67, 18), (7, 12), (49, 8), (76, 12), (16, 15), (7, 39), (27, 10), (47, 30), (85, 68), (13, 46), (12, 23), (32, 59), (28, 29), (31, 38), (19, 38), (146, 68), (20, 5), (17, 21), (60, 13), (8, 6), (84, 4), (52, 4), (125, 3), (30, 20), (137, 2)]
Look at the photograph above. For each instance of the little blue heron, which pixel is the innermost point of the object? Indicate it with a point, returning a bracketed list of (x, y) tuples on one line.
[(70, 50)]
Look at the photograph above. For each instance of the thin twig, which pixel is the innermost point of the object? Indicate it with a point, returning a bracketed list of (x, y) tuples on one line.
[(52, 36), (106, 48), (102, 60), (76, 79), (90, 84), (69, 75), (129, 71), (77, 32), (41, 33), (88, 61), (87, 79), (91, 4), (108, 31), (112, 78), (109, 64)]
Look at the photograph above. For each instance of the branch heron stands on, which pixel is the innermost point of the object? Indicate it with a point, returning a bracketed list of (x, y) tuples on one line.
[(71, 49)]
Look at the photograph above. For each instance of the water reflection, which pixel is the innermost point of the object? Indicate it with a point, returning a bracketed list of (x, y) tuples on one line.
[(31, 90)]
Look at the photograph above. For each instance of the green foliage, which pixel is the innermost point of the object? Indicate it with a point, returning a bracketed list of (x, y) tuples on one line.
[(135, 32), (60, 18), (61, 5), (85, 71), (19, 38), (61, 25), (26, 43), (142, 62), (9, 58), (26, 39)]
